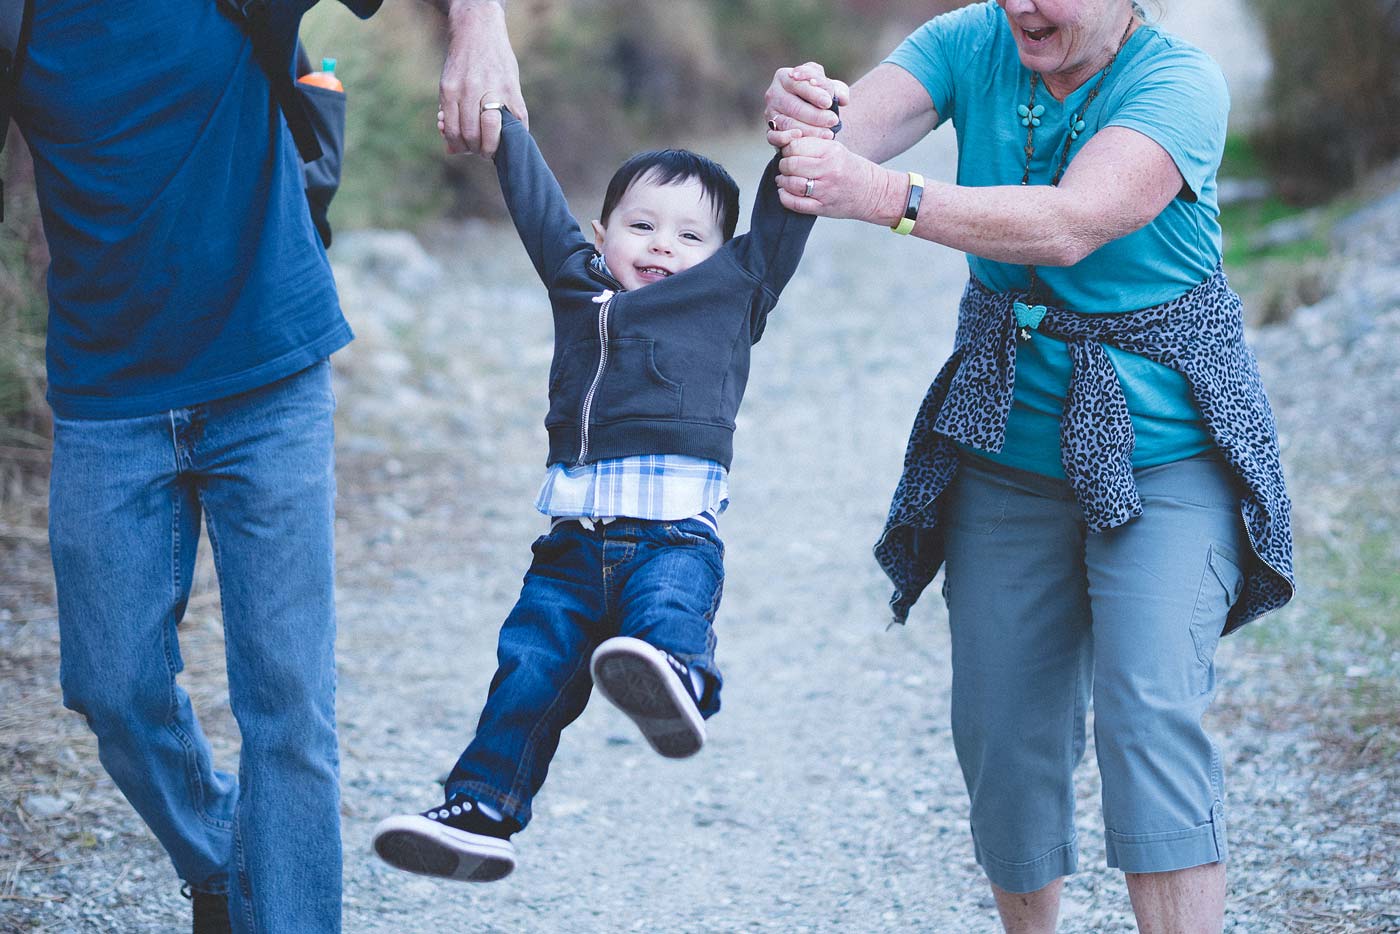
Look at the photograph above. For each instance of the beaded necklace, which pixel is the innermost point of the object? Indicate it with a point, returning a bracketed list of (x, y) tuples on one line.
[(1030, 114)]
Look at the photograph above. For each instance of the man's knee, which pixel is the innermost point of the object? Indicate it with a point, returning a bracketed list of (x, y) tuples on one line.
[(116, 697)]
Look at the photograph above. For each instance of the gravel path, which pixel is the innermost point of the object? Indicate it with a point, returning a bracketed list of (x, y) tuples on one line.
[(827, 799)]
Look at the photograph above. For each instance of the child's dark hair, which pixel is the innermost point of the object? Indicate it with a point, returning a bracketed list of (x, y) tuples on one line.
[(665, 166)]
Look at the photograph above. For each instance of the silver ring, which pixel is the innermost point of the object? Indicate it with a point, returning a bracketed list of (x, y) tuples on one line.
[(811, 187), (491, 105)]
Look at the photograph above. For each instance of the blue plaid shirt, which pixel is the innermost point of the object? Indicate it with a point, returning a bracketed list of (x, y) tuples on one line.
[(646, 486)]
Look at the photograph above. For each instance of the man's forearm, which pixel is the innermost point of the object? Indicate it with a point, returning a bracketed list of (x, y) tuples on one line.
[(479, 69)]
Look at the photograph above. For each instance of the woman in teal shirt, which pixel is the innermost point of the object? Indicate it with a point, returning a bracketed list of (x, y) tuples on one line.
[(1088, 144)]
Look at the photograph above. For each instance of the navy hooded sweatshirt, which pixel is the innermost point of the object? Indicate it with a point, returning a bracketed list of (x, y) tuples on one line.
[(659, 370)]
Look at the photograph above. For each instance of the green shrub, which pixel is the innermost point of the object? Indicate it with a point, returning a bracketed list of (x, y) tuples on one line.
[(393, 168), (1333, 109), (602, 78), (23, 316)]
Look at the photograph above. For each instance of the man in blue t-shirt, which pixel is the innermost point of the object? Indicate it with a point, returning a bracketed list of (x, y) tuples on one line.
[(192, 310)]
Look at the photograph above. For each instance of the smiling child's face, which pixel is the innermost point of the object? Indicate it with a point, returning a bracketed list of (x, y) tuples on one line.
[(656, 231)]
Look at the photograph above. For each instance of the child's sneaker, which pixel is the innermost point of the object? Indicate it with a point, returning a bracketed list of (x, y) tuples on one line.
[(455, 840), (653, 688)]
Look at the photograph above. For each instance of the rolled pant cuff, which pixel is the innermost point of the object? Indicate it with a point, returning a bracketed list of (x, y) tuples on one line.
[(1169, 850), (509, 806), (1029, 876)]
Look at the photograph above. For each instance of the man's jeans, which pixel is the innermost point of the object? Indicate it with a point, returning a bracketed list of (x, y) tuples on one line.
[(126, 496), (655, 581)]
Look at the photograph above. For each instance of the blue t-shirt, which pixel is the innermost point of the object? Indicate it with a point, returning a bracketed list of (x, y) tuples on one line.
[(1161, 87), (185, 266)]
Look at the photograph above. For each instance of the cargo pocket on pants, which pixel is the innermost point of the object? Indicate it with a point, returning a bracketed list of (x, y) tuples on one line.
[(1221, 582)]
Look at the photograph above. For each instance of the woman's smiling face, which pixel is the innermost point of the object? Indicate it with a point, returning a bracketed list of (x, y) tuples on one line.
[(1066, 41)]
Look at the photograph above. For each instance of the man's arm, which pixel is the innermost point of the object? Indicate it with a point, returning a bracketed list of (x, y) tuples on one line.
[(480, 69), (536, 203)]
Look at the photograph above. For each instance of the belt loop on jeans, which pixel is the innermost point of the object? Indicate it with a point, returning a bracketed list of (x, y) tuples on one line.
[(588, 522)]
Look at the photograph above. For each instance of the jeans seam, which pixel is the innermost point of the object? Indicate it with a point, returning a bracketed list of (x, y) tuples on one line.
[(245, 885), (525, 769), (1078, 740), (169, 632), (218, 569), (714, 603)]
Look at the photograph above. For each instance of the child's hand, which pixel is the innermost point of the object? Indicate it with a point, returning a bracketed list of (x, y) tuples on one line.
[(780, 139), (798, 103)]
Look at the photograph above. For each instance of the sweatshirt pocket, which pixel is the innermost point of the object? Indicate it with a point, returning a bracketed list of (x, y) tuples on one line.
[(632, 386)]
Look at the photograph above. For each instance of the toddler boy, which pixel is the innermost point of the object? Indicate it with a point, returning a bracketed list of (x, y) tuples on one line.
[(653, 324)]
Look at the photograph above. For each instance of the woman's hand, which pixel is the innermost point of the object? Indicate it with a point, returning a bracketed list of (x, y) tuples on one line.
[(823, 177), (798, 103)]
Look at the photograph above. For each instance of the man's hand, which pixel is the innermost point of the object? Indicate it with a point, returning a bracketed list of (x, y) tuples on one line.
[(480, 69)]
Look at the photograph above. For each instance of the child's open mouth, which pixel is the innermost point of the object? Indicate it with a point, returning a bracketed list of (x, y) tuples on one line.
[(1041, 34), (652, 272)]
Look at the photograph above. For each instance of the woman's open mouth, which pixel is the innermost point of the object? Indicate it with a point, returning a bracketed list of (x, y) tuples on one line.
[(1041, 34)]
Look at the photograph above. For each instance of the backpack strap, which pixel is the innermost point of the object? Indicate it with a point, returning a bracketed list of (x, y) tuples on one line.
[(303, 60), (253, 17), (15, 16)]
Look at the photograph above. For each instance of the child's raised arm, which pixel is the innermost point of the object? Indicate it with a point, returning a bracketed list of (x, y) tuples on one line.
[(773, 246), (536, 203)]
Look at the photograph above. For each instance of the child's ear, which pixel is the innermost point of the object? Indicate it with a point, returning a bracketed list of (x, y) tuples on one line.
[(598, 232)]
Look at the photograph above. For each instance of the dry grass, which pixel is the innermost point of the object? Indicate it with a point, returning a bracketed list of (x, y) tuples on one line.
[(48, 751)]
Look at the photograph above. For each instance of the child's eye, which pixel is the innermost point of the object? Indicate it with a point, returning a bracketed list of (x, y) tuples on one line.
[(640, 225), (691, 236)]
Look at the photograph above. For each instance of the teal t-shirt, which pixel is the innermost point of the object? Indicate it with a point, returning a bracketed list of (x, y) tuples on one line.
[(1160, 86)]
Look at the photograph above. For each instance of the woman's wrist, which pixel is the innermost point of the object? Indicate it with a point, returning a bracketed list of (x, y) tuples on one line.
[(892, 198)]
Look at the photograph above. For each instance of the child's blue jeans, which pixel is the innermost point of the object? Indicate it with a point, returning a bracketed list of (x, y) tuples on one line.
[(652, 580)]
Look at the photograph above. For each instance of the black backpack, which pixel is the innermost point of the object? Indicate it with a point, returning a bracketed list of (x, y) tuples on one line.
[(315, 115)]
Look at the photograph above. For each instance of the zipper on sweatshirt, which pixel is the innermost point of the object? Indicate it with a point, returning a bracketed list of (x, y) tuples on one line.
[(604, 300)]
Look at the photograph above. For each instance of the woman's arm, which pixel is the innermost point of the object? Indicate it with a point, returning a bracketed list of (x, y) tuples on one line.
[(885, 113), (1115, 185)]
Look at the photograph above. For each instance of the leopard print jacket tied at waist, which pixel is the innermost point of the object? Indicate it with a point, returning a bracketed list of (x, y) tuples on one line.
[(1200, 335)]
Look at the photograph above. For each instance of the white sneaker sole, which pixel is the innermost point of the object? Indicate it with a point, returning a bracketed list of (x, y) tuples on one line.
[(637, 680), (415, 844)]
